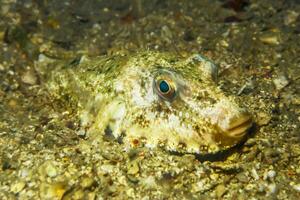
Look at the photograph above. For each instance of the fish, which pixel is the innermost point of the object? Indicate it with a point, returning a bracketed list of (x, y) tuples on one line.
[(151, 99)]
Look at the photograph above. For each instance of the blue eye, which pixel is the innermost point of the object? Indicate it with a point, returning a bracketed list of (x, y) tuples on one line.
[(164, 86)]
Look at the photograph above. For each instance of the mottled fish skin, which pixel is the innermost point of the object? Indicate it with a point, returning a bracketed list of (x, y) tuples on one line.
[(122, 94)]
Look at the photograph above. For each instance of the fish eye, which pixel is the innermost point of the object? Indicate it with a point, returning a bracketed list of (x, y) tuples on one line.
[(165, 87)]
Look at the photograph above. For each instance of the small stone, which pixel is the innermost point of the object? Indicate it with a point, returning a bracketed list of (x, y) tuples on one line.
[(271, 153), (220, 190), (280, 82), (2, 68), (12, 103), (130, 192), (242, 178), (92, 196), (297, 187), (24, 173), (48, 169), (270, 38), (269, 175), (77, 195), (133, 178), (2, 35), (291, 17), (149, 182), (18, 187), (296, 101), (87, 182), (107, 168), (29, 77), (133, 168), (272, 188), (254, 174), (81, 133), (250, 142), (51, 170), (52, 191), (247, 87), (263, 118)]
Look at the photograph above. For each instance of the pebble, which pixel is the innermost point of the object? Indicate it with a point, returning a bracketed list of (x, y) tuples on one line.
[(77, 195), (18, 187), (269, 175), (29, 77), (271, 153), (254, 174), (220, 190), (242, 178), (107, 168), (51, 170), (263, 118), (133, 168), (270, 38), (149, 182), (291, 17), (81, 133), (87, 182), (297, 187), (48, 169), (52, 191), (247, 87), (272, 188), (280, 82), (2, 68), (261, 186), (2, 35)]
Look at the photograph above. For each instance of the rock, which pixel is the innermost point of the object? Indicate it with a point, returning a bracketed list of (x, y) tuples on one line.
[(297, 187), (107, 168), (48, 169), (52, 191), (272, 189), (81, 133), (269, 175), (220, 190), (77, 195), (17, 187), (263, 118), (271, 38), (254, 174), (149, 182), (242, 178), (87, 182), (291, 17), (271, 153), (29, 77), (247, 88), (133, 168), (280, 82), (2, 68)]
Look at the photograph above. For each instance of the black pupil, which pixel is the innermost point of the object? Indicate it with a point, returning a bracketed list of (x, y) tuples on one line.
[(164, 86)]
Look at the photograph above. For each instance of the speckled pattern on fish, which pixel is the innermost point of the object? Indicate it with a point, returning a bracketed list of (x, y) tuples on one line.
[(152, 99)]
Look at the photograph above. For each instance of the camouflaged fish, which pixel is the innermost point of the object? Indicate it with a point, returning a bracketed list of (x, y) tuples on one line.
[(151, 98)]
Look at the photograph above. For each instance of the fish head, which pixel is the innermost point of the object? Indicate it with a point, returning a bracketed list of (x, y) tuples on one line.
[(165, 101)]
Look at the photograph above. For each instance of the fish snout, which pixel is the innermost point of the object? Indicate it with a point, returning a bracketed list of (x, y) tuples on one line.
[(237, 126)]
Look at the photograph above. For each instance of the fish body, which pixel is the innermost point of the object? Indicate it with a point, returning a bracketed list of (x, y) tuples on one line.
[(151, 98)]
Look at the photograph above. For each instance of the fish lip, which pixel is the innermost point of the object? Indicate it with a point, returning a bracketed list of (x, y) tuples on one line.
[(239, 126)]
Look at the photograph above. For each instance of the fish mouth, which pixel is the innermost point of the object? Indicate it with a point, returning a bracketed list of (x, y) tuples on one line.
[(239, 126)]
